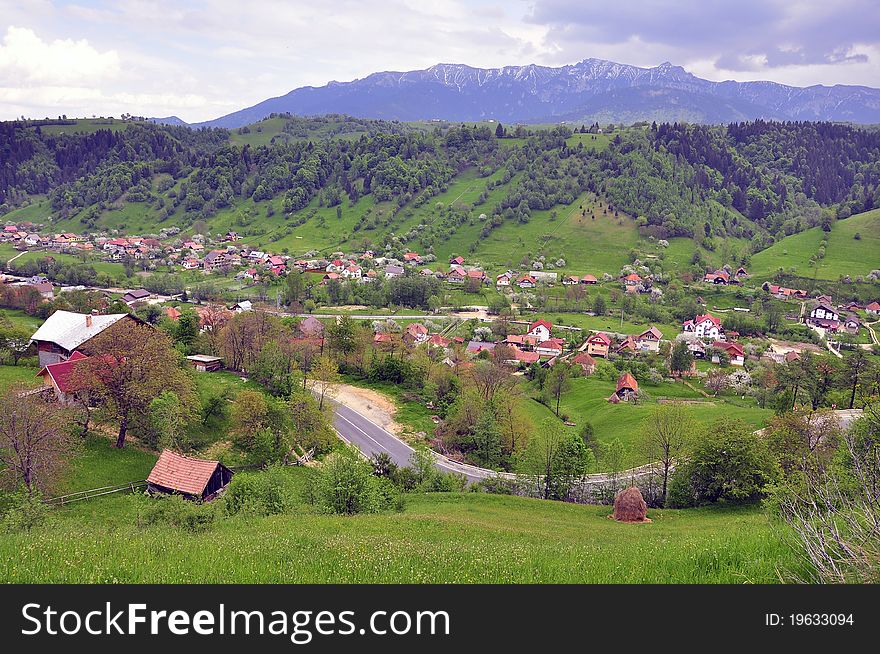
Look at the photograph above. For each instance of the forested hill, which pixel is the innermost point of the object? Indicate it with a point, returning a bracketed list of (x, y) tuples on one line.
[(759, 180)]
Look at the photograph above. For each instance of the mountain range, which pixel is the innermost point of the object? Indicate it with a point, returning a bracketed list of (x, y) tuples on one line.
[(590, 90)]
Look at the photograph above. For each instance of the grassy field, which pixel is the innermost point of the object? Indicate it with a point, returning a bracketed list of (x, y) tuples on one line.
[(844, 255), (438, 538), (587, 401)]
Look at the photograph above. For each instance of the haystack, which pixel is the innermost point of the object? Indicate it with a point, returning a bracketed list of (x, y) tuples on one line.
[(629, 506)]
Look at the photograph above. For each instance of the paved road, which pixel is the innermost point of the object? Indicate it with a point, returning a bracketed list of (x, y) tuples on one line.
[(372, 439)]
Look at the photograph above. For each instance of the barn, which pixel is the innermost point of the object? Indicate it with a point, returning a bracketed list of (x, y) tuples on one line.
[(195, 479)]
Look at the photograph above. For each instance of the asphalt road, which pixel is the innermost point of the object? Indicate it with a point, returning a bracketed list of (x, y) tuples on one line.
[(372, 439)]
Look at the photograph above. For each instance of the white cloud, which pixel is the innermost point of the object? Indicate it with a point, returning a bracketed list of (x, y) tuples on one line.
[(26, 59)]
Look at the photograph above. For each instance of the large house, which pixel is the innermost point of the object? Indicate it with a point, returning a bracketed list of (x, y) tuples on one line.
[(823, 315), (66, 331), (649, 340), (540, 330), (598, 345), (707, 327)]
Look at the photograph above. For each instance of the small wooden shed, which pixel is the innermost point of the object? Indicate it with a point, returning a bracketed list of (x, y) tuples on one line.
[(205, 363), (195, 479)]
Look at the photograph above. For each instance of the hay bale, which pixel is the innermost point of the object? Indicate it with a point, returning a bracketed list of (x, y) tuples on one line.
[(629, 506)]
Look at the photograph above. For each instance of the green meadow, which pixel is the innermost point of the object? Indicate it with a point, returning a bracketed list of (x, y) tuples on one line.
[(844, 255)]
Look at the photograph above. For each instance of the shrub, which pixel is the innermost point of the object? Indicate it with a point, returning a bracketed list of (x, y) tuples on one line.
[(268, 492), (24, 512), (345, 485)]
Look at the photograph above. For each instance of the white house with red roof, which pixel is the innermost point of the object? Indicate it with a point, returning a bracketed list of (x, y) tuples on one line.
[(706, 327), (540, 330), (526, 281), (873, 308), (552, 347), (503, 279), (734, 351)]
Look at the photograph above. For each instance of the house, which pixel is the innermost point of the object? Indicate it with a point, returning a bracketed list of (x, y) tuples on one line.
[(540, 330), (240, 307), (628, 346), (205, 363), (873, 308), (135, 296), (478, 275), (627, 389), (586, 362), (524, 357), (195, 479), (190, 264), (823, 315), (521, 340), (589, 279), (415, 333), (393, 271), (65, 331), (649, 340), (60, 378), (503, 279), (552, 347), (741, 273), (526, 281), (570, 280), (214, 260), (335, 266), (45, 289), (412, 258), (721, 277), (172, 313), (383, 338), (706, 326), (599, 345), (458, 261), (734, 351), (436, 340), (456, 276), (852, 324), (352, 272), (632, 280)]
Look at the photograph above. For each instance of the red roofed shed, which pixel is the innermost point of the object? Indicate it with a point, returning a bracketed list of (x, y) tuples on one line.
[(195, 479)]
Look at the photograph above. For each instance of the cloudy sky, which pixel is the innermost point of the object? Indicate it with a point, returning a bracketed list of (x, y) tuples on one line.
[(199, 59)]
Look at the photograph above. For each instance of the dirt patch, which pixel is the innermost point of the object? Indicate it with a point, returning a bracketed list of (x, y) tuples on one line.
[(784, 347), (372, 404)]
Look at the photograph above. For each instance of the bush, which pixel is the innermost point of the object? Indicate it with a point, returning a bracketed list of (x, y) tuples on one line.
[(24, 512), (345, 485), (269, 492), (175, 511)]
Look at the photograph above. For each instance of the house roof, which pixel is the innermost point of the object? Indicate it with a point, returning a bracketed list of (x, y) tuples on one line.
[(416, 329), (538, 323), (526, 357), (651, 332), (588, 278), (70, 330), (734, 349), (182, 473), (626, 380), (709, 317), (584, 359), (172, 313), (60, 373), (874, 306), (138, 293), (601, 336)]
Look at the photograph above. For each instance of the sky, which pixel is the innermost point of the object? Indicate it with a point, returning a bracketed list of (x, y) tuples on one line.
[(200, 59)]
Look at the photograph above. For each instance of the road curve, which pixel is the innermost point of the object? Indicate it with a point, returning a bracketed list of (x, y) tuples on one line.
[(371, 439)]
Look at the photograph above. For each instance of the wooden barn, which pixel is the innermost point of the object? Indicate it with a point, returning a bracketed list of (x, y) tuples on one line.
[(205, 363), (195, 479)]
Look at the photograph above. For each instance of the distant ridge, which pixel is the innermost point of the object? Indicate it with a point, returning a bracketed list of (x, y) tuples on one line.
[(168, 120), (590, 90)]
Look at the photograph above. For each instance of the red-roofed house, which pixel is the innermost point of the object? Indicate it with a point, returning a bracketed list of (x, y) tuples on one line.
[(552, 347), (540, 329), (586, 362), (195, 479), (707, 327), (526, 281), (734, 351), (589, 279), (59, 377), (172, 313), (415, 333), (627, 389), (598, 345), (873, 308)]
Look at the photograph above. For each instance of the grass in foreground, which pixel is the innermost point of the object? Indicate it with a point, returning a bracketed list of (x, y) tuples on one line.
[(442, 538)]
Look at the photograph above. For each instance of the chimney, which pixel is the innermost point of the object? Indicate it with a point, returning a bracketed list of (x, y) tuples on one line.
[(88, 320)]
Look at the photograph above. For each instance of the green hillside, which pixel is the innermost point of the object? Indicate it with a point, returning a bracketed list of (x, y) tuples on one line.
[(438, 538), (844, 254)]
